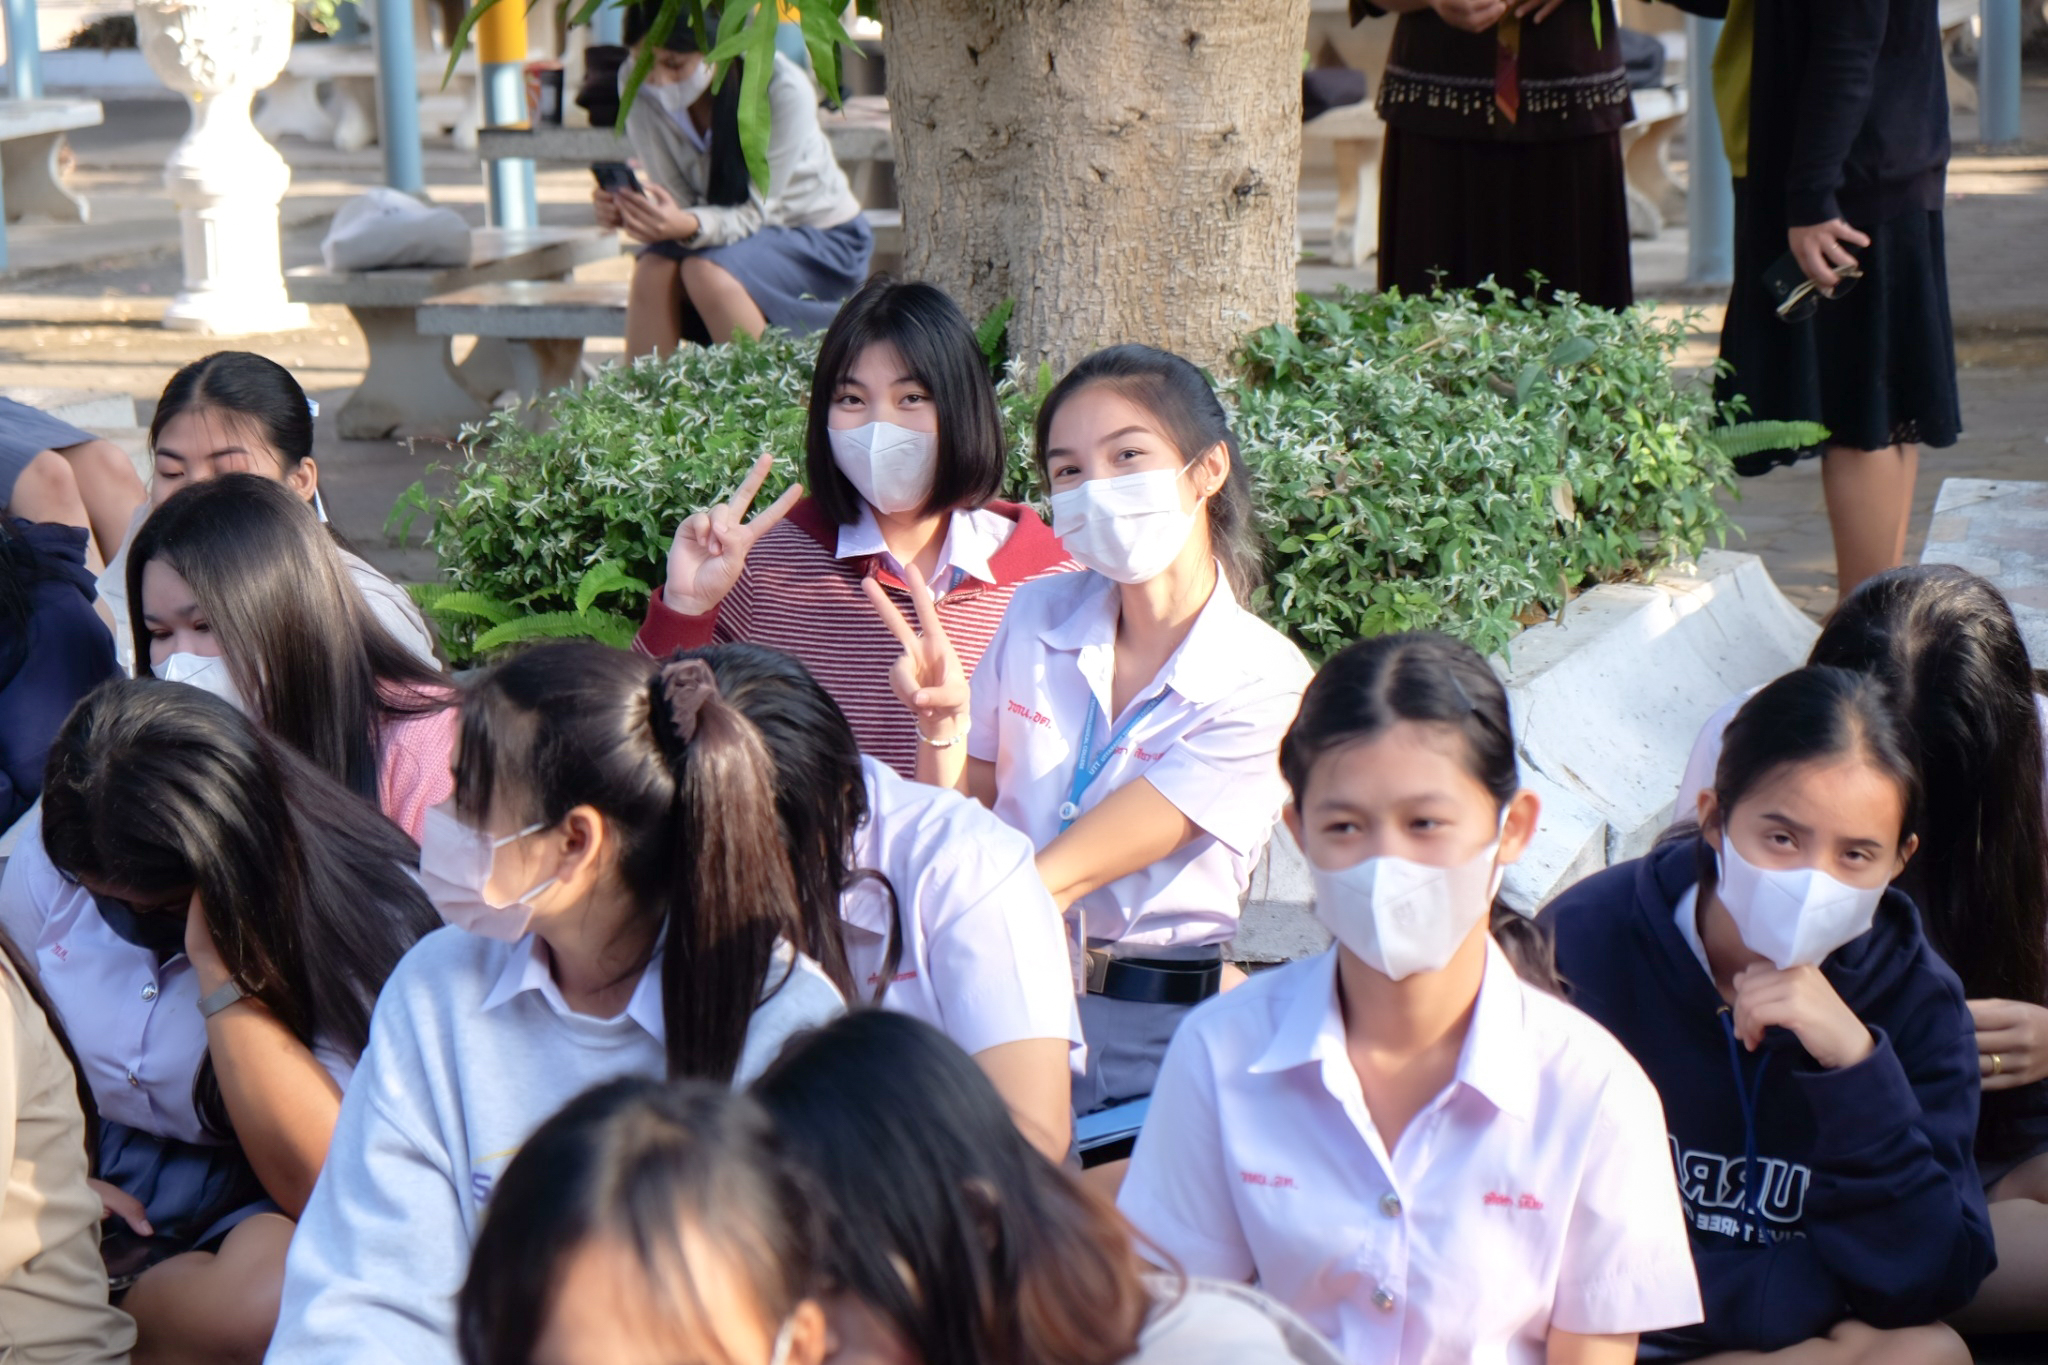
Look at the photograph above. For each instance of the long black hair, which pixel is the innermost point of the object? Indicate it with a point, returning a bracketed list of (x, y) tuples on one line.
[(295, 633), (938, 349), (689, 788), (1945, 643), (161, 789), (1183, 401), (942, 1217), (1813, 715), (1429, 679), (730, 182), (677, 1173), (246, 388), (821, 790)]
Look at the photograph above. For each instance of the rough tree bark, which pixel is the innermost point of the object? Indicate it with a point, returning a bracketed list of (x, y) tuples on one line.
[(1123, 169)]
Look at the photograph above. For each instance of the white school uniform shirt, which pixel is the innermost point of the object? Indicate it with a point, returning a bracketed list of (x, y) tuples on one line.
[(134, 1021), (1211, 747), (973, 535), (1535, 1192), (472, 1047), (984, 956)]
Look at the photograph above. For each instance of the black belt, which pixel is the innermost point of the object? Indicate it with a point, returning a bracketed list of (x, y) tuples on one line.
[(1153, 980)]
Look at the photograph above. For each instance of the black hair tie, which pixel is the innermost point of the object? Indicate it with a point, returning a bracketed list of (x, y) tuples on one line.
[(687, 685)]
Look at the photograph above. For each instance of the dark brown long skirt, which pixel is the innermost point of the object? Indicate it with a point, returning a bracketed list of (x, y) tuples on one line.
[(1465, 209)]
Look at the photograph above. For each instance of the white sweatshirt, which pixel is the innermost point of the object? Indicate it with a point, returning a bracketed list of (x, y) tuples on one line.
[(472, 1047)]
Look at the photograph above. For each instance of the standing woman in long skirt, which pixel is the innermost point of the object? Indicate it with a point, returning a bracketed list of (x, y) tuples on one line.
[(1503, 147), (1836, 121)]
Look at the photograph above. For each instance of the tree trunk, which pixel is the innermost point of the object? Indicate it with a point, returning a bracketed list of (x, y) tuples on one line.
[(1124, 170)]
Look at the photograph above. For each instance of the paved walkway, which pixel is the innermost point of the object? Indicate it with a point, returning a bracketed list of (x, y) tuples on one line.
[(83, 309)]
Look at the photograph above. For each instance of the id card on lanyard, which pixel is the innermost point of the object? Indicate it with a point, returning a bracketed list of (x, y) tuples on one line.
[(1091, 762)]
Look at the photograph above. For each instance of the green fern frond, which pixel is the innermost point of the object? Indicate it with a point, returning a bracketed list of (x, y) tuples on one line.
[(603, 578), (443, 602), (549, 625), (1753, 438)]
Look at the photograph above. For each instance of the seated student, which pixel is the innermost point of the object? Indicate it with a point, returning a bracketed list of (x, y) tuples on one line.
[(943, 916), (241, 912), (1401, 1140), (53, 1285), (948, 1238), (238, 412), (1125, 718), (622, 905), (1946, 646), (61, 475), (1816, 1061), (647, 1223), (53, 649), (722, 257), (904, 455)]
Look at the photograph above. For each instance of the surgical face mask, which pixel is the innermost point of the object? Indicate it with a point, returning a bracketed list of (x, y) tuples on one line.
[(1129, 528), (207, 673), (892, 466), (455, 872), (1793, 916), (784, 1336), (1400, 917), (676, 97)]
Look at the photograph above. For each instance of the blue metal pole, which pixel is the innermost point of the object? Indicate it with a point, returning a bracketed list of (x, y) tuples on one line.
[(25, 51), (1998, 72), (398, 97), (1710, 194), (510, 181), (608, 25)]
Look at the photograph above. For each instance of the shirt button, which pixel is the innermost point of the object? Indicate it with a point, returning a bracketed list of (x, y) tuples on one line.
[(1382, 1300), (149, 992), (1390, 1204), (132, 1080)]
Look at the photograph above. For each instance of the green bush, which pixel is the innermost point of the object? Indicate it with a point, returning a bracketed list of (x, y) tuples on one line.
[(1457, 462)]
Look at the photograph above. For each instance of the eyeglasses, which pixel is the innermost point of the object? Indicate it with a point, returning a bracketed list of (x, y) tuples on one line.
[(1804, 300)]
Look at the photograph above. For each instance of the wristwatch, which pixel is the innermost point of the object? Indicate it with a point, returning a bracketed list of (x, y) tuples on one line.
[(218, 999)]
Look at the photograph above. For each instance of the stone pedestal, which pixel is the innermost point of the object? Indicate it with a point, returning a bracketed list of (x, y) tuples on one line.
[(224, 178)]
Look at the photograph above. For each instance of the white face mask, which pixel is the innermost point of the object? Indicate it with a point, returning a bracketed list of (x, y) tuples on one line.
[(1401, 917), (676, 97), (892, 466), (455, 869), (784, 1336), (208, 673), (1129, 528), (1793, 916)]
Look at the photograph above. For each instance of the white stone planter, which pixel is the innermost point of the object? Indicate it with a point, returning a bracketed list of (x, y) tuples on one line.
[(1607, 700), (225, 179)]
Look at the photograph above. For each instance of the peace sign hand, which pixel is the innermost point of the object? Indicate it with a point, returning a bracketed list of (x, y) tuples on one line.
[(928, 677), (711, 546)]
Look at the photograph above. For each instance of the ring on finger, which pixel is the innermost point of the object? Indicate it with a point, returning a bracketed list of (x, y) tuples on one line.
[(1997, 1064)]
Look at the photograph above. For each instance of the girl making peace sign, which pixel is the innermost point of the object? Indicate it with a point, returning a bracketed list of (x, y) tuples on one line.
[(1126, 718)]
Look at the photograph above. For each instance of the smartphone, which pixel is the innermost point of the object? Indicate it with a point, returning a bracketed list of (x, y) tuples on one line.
[(613, 176)]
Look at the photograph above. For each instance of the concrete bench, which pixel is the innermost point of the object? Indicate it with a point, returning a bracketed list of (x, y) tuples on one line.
[(346, 114), (544, 322), (1356, 136), (31, 132), (413, 386), (1998, 528)]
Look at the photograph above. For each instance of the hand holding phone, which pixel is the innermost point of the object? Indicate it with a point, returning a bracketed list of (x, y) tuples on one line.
[(613, 176)]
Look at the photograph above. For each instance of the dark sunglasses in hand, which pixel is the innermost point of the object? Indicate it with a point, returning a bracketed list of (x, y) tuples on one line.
[(1799, 297)]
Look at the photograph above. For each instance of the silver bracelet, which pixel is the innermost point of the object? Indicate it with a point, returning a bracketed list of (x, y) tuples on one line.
[(960, 737)]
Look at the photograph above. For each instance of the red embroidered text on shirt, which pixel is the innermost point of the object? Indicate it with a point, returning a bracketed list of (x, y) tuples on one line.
[(1277, 1182), (910, 975), (1144, 755), (1496, 1200), (1018, 708)]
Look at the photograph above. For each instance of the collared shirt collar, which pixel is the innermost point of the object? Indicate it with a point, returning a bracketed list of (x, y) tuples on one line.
[(1687, 914), (972, 537), (527, 969), (1495, 1060), (1204, 669)]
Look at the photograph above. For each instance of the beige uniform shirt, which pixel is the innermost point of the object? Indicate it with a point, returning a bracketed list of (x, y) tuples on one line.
[(53, 1287)]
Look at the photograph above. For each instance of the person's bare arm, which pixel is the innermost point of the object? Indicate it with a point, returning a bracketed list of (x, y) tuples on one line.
[(1130, 829), (1032, 1077), (1572, 1348)]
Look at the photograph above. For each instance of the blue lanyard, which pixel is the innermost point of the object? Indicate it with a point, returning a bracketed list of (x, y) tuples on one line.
[(1090, 765)]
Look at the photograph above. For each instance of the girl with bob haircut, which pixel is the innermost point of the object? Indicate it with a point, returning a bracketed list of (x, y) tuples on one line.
[(1364, 1131), (1817, 1064), (942, 914), (1946, 646), (948, 1238), (647, 1222), (621, 903), (1125, 718), (904, 456), (236, 412), (239, 913)]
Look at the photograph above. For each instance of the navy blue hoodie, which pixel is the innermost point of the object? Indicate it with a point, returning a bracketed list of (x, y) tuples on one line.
[(1870, 1205)]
